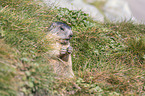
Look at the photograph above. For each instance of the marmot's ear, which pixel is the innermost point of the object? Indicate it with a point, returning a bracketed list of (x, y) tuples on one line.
[(51, 27)]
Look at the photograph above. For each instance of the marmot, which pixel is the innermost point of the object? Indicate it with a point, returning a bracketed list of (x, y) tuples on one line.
[(61, 55)]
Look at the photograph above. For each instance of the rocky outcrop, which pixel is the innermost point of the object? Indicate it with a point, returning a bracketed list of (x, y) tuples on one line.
[(117, 10)]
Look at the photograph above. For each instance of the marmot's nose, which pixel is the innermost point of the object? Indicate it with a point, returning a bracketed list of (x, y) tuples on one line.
[(69, 37)]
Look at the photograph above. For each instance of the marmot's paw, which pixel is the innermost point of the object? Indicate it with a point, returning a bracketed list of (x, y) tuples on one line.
[(69, 49), (63, 50)]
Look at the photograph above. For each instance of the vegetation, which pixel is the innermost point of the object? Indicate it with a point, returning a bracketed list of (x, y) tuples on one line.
[(108, 58)]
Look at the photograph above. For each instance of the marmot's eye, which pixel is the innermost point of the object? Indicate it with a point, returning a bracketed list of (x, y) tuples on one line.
[(70, 35), (61, 28)]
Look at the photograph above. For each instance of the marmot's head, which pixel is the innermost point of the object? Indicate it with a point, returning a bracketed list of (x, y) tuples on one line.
[(62, 30)]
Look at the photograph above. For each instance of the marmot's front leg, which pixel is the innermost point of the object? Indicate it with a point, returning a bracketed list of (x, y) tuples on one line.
[(65, 52), (69, 50)]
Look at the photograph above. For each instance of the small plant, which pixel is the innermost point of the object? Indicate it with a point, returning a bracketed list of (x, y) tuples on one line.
[(73, 17)]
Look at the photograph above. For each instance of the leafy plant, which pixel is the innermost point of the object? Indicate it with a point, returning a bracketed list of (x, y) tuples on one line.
[(73, 17)]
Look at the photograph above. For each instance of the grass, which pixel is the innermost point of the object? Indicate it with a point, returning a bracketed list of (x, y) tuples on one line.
[(113, 54), (7, 70), (18, 29), (108, 58)]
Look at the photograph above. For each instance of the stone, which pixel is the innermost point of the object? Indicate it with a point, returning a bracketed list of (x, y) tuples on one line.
[(90, 1), (117, 10)]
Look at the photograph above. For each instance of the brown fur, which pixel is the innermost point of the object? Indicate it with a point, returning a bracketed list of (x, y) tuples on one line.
[(61, 63)]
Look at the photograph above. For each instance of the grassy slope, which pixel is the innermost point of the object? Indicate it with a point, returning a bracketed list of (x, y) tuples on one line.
[(22, 27), (108, 59), (114, 55)]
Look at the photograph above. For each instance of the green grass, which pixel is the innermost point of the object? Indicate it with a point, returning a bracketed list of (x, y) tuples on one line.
[(23, 26), (7, 70), (114, 55), (108, 58)]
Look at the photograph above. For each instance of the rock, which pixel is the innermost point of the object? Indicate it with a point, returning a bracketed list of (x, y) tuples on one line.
[(117, 10), (90, 1), (77, 5), (137, 7)]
